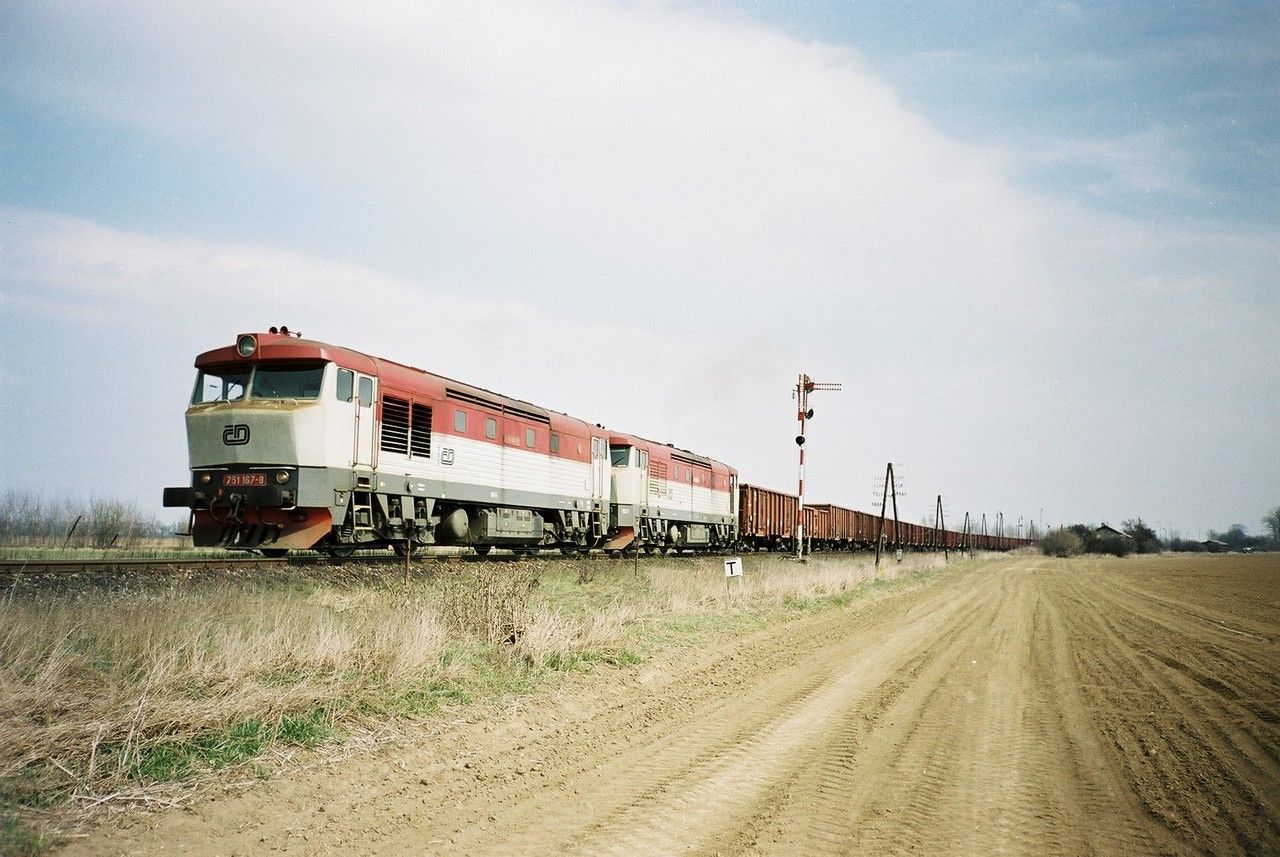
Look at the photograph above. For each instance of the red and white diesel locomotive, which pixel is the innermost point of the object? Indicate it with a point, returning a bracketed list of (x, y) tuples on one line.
[(297, 444)]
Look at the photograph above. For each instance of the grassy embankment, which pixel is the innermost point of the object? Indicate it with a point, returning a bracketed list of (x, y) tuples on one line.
[(119, 694)]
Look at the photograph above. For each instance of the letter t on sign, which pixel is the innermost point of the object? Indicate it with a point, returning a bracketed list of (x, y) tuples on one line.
[(732, 569)]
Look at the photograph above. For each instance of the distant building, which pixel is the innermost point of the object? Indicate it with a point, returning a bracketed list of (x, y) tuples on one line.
[(1215, 546), (1105, 532)]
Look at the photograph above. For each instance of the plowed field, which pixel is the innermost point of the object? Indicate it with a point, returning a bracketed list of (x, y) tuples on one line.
[(1025, 705)]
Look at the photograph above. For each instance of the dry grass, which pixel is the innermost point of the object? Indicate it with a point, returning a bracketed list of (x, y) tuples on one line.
[(773, 581), (89, 686), (106, 693)]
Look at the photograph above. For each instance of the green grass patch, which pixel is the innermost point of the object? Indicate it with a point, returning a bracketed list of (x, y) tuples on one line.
[(239, 743), (18, 840), (416, 700)]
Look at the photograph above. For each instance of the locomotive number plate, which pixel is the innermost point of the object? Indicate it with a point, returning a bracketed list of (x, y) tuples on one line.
[(243, 480)]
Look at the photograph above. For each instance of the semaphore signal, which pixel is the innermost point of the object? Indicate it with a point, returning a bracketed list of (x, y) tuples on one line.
[(804, 413)]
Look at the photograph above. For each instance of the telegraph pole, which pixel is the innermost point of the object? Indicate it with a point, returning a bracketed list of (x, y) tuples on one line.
[(940, 530), (890, 485), (804, 413)]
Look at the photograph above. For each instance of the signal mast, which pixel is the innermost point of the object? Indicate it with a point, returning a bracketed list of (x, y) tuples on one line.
[(804, 387)]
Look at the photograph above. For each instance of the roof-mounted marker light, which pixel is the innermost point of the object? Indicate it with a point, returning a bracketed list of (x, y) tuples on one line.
[(246, 345)]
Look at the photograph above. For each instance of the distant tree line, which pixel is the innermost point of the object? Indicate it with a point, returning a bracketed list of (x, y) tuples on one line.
[(1084, 538), (29, 520)]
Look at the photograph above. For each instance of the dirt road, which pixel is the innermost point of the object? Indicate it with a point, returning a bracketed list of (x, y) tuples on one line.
[(1026, 705)]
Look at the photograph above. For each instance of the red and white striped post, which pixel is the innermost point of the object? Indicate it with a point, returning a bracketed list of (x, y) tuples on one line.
[(804, 386)]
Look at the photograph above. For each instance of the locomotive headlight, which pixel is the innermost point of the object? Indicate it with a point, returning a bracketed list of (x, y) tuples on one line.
[(247, 344), (204, 478), (282, 477)]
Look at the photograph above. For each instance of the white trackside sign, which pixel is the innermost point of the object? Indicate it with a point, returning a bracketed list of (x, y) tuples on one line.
[(733, 566)]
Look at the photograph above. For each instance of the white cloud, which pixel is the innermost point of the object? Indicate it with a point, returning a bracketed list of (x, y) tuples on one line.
[(639, 146)]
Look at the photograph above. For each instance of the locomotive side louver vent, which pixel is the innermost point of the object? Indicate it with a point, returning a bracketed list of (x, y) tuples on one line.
[(420, 441), (395, 425), (658, 486)]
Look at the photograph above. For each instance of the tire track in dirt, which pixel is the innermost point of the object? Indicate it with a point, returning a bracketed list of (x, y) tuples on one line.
[(687, 765), (825, 807), (711, 803)]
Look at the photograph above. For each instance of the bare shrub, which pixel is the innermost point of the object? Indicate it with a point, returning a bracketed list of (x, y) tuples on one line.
[(29, 520), (1061, 543), (551, 636), (488, 600)]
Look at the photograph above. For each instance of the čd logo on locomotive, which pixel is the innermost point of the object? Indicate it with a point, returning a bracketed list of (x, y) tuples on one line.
[(235, 435)]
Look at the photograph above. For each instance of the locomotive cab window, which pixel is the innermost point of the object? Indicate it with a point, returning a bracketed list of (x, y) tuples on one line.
[(288, 382), (213, 385), (620, 456), (366, 392), (346, 385)]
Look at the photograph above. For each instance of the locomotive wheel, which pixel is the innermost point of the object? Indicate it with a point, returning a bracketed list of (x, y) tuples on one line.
[(482, 550), (274, 553), (399, 548), (339, 551)]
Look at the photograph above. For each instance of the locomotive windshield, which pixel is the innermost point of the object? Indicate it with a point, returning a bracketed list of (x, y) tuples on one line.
[(263, 381), (287, 382)]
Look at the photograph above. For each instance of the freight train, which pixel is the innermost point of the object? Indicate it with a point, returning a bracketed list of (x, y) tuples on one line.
[(296, 444)]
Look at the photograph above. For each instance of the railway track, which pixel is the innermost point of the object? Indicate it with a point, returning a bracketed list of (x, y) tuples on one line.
[(11, 567), (16, 567)]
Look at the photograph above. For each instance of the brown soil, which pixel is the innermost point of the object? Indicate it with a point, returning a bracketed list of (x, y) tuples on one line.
[(1030, 705)]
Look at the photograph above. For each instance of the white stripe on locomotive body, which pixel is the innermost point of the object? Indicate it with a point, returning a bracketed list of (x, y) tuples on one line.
[(696, 498), (668, 495), (498, 467)]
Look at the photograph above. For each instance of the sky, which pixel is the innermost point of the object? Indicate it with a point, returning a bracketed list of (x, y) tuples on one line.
[(1037, 243)]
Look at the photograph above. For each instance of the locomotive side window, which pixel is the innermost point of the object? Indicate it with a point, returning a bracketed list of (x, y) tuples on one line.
[(460, 421), (491, 428), (346, 385), (220, 386), (530, 437), (555, 444), (366, 392), (291, 382)]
